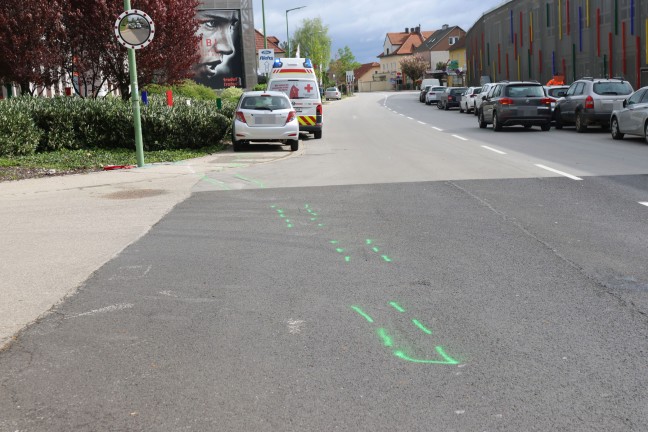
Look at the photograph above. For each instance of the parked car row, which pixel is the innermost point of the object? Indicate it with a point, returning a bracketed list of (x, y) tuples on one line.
[(606, 102)]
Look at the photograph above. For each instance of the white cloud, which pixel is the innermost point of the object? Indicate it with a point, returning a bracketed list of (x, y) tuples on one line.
[(362, 24)]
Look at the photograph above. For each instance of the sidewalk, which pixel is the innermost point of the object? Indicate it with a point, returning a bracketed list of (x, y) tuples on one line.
[(58, 230)]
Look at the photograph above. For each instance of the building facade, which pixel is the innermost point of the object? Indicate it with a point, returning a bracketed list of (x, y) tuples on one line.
[(535, 40)]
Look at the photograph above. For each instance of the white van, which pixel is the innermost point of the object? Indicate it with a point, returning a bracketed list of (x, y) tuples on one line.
[(296, 78), (430, 82)]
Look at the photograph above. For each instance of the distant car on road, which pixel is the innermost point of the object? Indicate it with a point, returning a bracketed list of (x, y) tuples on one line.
[(423, 92), (265, 116), (479, 97), (590, 101), (555, 93), (332, 93), (432, 96), (632, 119), (516, 103), (450, 98), (467, 102)]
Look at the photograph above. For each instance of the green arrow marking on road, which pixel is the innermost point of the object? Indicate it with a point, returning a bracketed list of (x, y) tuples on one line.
[(418, 324), (446, 358), (362, 314), (396, 306), (387, 341)]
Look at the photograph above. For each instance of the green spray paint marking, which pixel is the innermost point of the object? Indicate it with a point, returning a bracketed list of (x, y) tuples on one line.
[(347, 258), (339, 250), (256, 182), (320, 225), (334, 242), (418, 324), (362, 314), (387, 341), (369, 241), (446, 358), (396, 306), (375, 249), (386, 258), (282, 215), (215, 182)]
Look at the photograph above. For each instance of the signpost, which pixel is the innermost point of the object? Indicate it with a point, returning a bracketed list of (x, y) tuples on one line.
[(350, 78), (266, 59), (134, 29)]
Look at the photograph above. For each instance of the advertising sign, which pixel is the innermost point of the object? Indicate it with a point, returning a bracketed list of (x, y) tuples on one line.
[(221, 54), (266, 59)]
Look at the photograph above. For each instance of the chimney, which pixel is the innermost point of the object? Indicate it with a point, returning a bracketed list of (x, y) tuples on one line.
[(444, 27), (418, 28), (406, 29)]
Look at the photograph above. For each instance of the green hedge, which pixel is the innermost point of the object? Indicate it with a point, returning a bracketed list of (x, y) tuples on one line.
[(29, 125)]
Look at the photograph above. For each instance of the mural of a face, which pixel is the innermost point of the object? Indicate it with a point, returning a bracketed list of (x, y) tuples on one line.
[(218, 30)]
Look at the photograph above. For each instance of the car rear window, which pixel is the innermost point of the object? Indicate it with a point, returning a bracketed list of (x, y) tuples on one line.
[(612, 88), (437, 89), (521, 91), (331, 89), (457, 91), (265, 102)]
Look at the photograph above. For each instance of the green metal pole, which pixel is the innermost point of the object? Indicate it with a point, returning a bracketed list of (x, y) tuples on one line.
[(265, 37), (137, 120)]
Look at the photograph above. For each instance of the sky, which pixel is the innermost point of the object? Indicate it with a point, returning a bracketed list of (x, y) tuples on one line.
[(363, 24)]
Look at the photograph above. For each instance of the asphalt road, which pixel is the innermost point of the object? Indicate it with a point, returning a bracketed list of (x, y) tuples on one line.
[(395, 275)]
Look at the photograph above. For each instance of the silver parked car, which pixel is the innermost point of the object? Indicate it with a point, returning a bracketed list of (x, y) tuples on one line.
[(432, 96), (467, 102), (332, 93), (480, 97), (265, 116), (590, 101), (632, 119)]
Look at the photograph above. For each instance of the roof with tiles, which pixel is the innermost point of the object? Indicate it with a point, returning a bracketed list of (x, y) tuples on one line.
[(407, 41), (273, 42), (363, 69)]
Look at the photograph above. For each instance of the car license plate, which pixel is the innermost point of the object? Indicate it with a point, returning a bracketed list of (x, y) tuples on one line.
[(264, 120)]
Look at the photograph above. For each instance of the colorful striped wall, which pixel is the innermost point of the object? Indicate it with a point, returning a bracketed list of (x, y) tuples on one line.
[(531, 39)]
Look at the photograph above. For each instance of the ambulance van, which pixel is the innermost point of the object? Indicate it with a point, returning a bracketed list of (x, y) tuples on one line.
[(296, 78)]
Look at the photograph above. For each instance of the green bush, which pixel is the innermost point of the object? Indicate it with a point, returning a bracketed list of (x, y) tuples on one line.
[(19, 135), (29, 125), (186, 88), (231, 94), (260, 87)]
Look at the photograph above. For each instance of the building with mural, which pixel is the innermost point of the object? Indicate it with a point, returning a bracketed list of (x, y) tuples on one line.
[(228, 46), (536, 40)]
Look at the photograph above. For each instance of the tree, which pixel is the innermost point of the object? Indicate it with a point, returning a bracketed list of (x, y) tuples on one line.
[(314, 43), (92, 52), (414, 67), (344, 61), (43, 40), (29, 35)]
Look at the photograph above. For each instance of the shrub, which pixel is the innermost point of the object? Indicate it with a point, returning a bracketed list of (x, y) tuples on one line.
[(260, 87), (231, 94), (19, 135), (186, 88), (32, 124)]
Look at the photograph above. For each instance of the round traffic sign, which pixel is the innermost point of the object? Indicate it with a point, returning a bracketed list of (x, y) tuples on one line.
[(134, 29)]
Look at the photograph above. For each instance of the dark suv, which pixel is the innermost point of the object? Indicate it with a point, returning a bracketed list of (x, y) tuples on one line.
[(450, 98), (590, 101), (515, 103)]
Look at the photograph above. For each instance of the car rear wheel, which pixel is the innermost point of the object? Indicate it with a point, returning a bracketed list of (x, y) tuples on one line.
[(581, 126), (497, 126), (439, 105), (428, 103), (614, 129), (238, 145), (317, 134), (480, 120), (646, 131), (545, 127), (294, 145), (461, 110)]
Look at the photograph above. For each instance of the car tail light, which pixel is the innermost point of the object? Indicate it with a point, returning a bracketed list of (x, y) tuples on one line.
[(506, 101), (318, 110), (472, 95), (291, 116), (589, 102), (450, 98), (546, 101), (240, 117)]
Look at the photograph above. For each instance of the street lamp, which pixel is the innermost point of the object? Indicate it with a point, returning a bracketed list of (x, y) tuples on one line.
[(288, 34)]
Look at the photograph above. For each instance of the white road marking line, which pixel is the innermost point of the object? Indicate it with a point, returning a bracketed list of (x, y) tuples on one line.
[(436, 128), (294, 326), (492, 149), (410, 118), (558, 172), (106, 309), (401, 115), (421, 122), (645, 203), (460, 137)]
